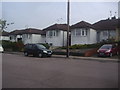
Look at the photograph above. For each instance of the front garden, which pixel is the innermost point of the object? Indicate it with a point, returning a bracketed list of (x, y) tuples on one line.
[(82, 50), (75, 50), (12, 46)]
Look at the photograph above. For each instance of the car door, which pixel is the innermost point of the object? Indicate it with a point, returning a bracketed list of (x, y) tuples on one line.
[(30, 49), (34, 49)]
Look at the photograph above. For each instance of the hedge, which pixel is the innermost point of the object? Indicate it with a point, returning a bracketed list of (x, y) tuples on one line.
[(86, 46), (13, 46)]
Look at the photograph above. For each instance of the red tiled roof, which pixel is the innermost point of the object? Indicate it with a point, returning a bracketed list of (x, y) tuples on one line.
[(108, 24), (27, 31), (82, 24), (57, 27), (4, 33)]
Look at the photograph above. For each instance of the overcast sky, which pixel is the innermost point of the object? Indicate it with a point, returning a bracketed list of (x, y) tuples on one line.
[(43, 14)]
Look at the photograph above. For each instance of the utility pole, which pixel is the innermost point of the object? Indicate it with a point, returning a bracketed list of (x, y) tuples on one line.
[(68, 17)]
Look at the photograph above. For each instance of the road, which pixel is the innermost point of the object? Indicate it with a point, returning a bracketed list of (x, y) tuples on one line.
[(32, 72)]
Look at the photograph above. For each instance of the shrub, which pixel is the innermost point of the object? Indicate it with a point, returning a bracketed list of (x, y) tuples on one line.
[(19, 45), (14, 46), (85, 46)]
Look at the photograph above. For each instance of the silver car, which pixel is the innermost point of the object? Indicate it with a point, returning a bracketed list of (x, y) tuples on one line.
[(1, 49)]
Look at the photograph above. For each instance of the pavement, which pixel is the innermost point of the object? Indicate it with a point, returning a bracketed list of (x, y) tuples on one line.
[(104, 59)]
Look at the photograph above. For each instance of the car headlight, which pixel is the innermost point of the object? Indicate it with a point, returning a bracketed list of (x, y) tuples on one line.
[(108, 50), (45, 51), (97, 50)]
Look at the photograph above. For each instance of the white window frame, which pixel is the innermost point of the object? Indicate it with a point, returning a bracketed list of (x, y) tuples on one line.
[(57, 33), (105, 33), (83, 32), (52, 33), (78, 32)]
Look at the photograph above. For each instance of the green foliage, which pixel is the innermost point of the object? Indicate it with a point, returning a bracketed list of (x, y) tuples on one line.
[(13, 46), (2, 24), (85, 46), (61, 47)]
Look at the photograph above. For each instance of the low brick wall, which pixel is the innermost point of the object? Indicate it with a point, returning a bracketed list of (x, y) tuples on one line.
[(77, 52), (90, 53)]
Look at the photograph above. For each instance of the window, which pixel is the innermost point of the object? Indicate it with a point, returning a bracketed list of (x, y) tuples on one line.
[(78, 32), (26, 35), (73, 32), (30, 36), (10, 38), (57, 32), (50, 33), (105, 33), (53, 33), (29, 46), (34, 47), (84, 32)]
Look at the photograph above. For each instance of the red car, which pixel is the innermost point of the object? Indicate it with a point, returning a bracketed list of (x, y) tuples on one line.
[(108, 50)]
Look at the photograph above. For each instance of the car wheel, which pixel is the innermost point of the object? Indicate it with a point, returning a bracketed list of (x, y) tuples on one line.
[(25, 53), (39, 55), (111, 54)]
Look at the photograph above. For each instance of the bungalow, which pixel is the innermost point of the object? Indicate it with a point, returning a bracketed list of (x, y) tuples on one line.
[(29, 35), (56, 35), (4, 35), (107, 29), (83, 33)]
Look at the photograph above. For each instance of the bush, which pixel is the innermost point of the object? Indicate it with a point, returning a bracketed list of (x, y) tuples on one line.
[(19, 45), (85, 46), (13, 46)]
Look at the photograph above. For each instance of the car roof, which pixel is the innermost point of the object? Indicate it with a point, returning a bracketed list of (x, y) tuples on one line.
[(30, 44), (33, 44), (107, 44)]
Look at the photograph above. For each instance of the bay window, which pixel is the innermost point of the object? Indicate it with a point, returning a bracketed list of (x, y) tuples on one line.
[(80, 32), (52, 33)]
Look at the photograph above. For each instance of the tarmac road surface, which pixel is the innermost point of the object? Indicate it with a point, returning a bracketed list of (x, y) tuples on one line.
[(32, 72)]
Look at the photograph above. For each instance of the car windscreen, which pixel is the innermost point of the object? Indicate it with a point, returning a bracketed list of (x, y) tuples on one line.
[(106, 47), (40, 46)]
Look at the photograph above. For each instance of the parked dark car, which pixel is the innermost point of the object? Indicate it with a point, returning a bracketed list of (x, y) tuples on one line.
[(108, 50), (36, 50)]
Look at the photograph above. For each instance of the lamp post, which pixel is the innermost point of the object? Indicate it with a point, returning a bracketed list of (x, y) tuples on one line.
[(68, 17)]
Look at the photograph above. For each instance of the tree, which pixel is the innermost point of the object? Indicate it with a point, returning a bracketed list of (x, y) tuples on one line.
[(4, 24)]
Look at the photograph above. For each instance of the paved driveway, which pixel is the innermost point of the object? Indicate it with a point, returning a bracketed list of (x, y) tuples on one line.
[(32, 72)]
